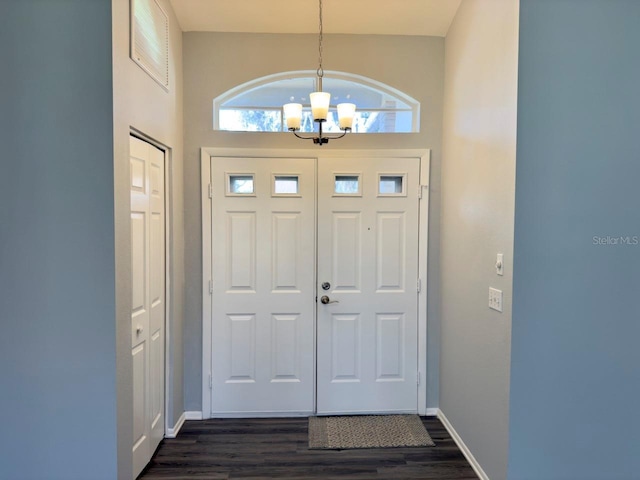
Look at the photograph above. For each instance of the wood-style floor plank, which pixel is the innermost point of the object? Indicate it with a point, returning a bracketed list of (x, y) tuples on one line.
[(236, 449)]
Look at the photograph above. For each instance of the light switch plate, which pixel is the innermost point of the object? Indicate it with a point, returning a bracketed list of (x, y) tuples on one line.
[(495, 299), (500, 264)]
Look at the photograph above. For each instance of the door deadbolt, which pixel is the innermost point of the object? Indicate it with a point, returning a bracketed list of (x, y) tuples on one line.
[(326, 286)]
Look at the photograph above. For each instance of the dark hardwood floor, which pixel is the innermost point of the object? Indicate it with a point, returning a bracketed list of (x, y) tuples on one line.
[(277, 448)]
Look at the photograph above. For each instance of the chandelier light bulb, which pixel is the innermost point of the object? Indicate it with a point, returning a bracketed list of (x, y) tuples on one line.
[(320, 105), (346, 112), (293, 115)]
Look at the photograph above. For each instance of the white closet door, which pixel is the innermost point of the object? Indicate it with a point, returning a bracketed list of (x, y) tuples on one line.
[(263, 233), (368, 262), (148, 298)]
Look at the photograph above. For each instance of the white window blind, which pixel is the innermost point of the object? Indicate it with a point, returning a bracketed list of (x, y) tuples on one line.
[(150, 39)]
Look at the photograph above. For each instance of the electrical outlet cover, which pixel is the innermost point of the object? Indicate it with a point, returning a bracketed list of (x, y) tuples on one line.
[(495, 299)]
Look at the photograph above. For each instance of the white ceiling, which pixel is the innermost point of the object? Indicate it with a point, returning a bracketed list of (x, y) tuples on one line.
[(385, 17)]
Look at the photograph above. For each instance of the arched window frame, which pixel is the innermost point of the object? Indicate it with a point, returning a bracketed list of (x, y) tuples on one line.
[(366, 82)]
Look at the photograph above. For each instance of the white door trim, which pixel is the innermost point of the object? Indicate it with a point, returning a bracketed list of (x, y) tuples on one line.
[(207, 274), (423, 248)]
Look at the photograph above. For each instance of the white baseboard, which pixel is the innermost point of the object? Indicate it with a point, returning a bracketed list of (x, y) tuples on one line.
[(432, 412), (462, 446), (173, 432), (193, 415)]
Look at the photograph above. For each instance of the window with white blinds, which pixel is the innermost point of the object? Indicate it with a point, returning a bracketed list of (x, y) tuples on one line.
[(150, 39)]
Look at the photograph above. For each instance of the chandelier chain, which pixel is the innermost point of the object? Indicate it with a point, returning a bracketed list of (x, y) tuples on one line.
[(320, 71), (319, 104)]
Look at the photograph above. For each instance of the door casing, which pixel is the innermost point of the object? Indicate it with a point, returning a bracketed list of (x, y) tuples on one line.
[(207, 274)]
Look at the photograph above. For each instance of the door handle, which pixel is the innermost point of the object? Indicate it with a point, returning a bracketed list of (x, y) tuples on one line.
[(326, 300), (139, 330)]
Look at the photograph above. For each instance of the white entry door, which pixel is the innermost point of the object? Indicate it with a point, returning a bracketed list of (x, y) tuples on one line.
[(148, 299), (263, 288), (268, 323), (368, 272)]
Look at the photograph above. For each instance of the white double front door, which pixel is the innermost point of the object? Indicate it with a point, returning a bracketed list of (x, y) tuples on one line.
[(314, 289)]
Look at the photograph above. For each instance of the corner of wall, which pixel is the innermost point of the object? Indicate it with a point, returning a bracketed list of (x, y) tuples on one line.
[(477, 223)]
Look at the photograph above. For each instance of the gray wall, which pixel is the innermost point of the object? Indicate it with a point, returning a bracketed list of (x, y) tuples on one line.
[(478, 182), (214, 63), (141, 103), (575, 376), (57, 299)]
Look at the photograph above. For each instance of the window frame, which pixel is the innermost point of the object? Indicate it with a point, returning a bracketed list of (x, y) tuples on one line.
[(276, 176), (229, 191), (358, 176), (219, 101)]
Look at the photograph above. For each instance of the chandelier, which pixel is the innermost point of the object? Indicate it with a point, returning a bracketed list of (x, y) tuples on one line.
[(319, 106)]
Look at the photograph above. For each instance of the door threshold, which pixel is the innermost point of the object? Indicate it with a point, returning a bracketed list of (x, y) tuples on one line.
[(261, 414)]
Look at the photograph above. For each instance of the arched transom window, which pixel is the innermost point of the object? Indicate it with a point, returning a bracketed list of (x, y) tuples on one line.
[(256, 106)]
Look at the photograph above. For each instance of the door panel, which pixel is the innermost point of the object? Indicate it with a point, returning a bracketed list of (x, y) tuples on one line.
[(263, 285), (390, 347), (345, 352), (241, 257), (140, 432), (148, 298), (156, 295), (285, 228), (347, 249), (367, 251), (390, 255), (139, 169), (284, 346), (139, 311), (242, 349)]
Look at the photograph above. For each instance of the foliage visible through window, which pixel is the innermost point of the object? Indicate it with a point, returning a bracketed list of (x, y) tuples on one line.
[(241, 184), (250, 120), (347, 185), (257, 105), (390, 184), (285, 185)]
